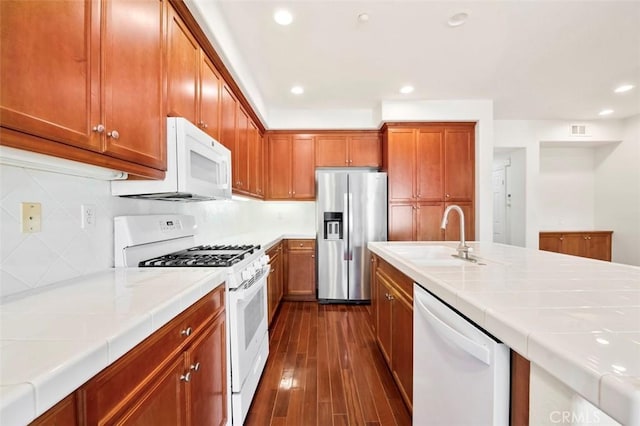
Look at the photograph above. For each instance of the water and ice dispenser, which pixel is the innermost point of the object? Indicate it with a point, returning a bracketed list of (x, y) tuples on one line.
[(333, 225)]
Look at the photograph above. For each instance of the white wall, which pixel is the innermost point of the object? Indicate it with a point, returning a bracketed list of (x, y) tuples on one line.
[(566, 197), (62, 250), (617, 192), (616, 179)]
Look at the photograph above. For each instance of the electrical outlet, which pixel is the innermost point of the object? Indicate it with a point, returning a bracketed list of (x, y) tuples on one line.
[(31, 217), (88, 215)]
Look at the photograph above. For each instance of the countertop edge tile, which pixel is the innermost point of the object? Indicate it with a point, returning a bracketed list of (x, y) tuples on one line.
[(18, 404), (621, 395)]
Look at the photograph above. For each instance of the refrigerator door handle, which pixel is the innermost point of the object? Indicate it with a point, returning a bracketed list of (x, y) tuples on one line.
[(346, 255), (350, 232)]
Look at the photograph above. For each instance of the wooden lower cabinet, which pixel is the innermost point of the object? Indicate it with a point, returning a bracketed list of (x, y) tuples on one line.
[(591, 244), (393, 318), (275, 285), (300, 264), (177, 376)]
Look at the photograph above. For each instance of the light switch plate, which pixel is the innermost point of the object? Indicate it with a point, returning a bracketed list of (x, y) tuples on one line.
[(31, 217)]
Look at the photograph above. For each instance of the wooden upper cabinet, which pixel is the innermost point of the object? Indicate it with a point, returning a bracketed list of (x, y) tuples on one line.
[(291, 167), (50, 70), (401, 160), (240, 155), (133, 64), (255, 161), (332, 151), (228, 120), (303, 185), (365, 150), (348, 150), (459, 163), (183, 57), (70, 72), (210, 85)]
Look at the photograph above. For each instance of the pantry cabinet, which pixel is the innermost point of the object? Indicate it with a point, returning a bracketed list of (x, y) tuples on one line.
[(430, 166), (591, 244), (193, 84), (361, 149), (300, 264), (393, 322), (68, 71), (275, 286), (291, 167)]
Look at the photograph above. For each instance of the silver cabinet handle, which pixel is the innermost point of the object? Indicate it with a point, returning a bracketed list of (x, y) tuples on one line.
[(195, 367), (447, 195), (113, 134), (186, 332), (186, 377), (98, 129)]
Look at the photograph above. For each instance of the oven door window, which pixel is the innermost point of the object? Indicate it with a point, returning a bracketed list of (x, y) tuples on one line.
[(254, 315)]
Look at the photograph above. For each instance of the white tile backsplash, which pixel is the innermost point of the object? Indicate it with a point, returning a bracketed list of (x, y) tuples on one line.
[(63, 250)]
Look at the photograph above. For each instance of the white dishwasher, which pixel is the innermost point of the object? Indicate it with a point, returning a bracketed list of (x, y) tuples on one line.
[(460, 374)]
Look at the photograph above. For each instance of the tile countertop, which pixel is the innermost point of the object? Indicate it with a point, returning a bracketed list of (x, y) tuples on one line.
[(577, 318), (53, 341)]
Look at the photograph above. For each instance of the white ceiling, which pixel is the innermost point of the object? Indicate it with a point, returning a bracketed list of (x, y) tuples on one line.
[(534, 59)]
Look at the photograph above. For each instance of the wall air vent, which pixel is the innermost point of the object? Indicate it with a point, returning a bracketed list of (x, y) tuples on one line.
[(579, 130)]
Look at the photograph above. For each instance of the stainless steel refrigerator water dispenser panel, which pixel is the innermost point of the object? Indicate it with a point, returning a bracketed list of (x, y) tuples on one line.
[(333, 226)]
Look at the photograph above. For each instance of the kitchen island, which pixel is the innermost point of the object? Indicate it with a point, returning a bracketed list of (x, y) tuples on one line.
[(577, 319)]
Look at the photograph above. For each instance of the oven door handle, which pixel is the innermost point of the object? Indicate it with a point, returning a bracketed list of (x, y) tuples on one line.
[(247, 294)]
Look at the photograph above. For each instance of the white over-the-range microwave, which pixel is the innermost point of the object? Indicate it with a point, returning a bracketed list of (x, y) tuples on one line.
[(198, 168)]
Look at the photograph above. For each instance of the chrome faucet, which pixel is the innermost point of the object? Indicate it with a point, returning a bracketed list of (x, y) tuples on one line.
[(463, 248)]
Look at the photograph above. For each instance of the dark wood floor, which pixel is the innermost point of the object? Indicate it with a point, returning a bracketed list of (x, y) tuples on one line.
[(324, 369)]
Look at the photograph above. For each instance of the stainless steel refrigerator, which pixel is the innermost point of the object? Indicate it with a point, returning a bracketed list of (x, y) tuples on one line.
[(351, 211)]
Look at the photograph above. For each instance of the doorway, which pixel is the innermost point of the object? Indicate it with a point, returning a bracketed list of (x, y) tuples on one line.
[(509, 197)]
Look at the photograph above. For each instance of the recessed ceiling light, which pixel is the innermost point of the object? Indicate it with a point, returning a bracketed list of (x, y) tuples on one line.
[(363, 17), (297, 90), (458, 19), (406, 89), (624, 88), (283, 17), (606, 112)]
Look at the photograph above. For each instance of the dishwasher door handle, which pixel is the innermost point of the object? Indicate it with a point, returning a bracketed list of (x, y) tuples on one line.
[(445, 331)]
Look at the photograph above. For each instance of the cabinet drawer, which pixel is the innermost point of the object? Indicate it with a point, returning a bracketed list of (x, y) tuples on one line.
[(117, 385), (402, 283), (301, 244)]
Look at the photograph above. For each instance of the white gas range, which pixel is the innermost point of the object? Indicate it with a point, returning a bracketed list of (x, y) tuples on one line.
[(169, 241)]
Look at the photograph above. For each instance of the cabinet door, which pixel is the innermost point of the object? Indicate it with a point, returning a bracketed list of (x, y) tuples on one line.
[(383, 316), (303, 181), (272, 284), (364, 151), (573, 244), (210, 84), (459, 163), (279, 166), (228, 121), (331, 151), (63, 413), (428, 220), (452, 232), (279, 278), (598, 246), (254, 159), (241, 154), (550, 242), (401, 164), (163, 403), (183, 57), (259, 156), (50, 70), (401, 217), (206, 360), (402, 346), (429, 164), (133, 64), (301, 272)]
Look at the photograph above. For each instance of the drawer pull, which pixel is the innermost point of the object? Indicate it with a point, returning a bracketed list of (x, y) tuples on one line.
[(195, 367), (186, 377), (186, 332)]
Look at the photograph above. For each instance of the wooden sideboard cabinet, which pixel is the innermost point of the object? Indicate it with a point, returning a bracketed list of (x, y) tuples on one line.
[(300, 264), (591, 244)]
